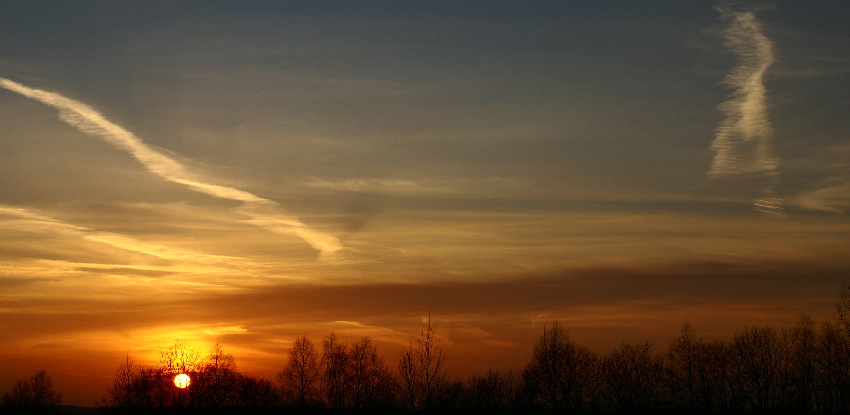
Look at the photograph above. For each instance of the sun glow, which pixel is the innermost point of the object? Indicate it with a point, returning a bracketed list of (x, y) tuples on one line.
[(182, 381)]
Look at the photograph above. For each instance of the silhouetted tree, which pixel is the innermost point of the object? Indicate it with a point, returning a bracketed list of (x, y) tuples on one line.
[(216, 386), (803, 339), (558, 377), (683, 366), (120, 393), (370, 379), (495, 391), (216, 381), (763, 362), (452, 396), (252, 392), (33, 394), (633, 378), (152, 389), (421, 372), (136, 389), (842, 309), (832, 369), (300, 378), (335, 371), (714, 373), (408, 373), (432, 375), (698, 373), (181, 357)]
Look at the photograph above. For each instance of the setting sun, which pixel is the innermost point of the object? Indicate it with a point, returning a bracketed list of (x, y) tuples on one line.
[(182, 381)]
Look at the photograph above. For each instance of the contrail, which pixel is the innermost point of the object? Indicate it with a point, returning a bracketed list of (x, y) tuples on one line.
[(743, 141), (263, 212)]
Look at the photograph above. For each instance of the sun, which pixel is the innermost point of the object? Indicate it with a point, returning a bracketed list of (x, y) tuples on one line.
[(182, 381)]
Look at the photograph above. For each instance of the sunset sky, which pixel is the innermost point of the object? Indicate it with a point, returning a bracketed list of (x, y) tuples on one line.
[(247, 172)]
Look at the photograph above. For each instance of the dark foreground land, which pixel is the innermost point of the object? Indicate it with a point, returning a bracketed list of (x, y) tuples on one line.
[(77, 410)]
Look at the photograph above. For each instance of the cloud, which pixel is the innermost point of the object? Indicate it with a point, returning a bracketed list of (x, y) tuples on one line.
[(832, 196), (743, 143), (263, 212), (828, 189), (590, 300), (32, 221), (389, 186)]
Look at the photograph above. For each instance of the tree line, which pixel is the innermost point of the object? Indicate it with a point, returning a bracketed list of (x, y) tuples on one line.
[(803, 368)]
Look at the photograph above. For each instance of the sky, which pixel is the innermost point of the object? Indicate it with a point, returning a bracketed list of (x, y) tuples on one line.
[(248, 172)]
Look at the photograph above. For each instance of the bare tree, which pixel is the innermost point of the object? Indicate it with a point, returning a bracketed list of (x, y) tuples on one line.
[(216, 379), (215, 383), (361, 369), (714, 370), (120, 393), (335, 376), (842, 308), (633, 378), (832, 369), (803, 342), (33, 392), (763, 360), (408, 372), (698, 373), (495, 391), (151, 388), (423, 377), (432, 375), (370, 380), (251, 392), (219, 361), (181, 357), (300, 377), (682, 361), (558, 375)]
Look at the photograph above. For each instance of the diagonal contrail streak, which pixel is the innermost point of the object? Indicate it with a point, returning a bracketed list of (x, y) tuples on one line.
[(264, 213), (743, 143)]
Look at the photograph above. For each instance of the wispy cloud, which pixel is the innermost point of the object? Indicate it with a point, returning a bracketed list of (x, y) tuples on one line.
[(743, 144), (35, 222), (833, 195), (263, 212), (828, 186), (371, 185)]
